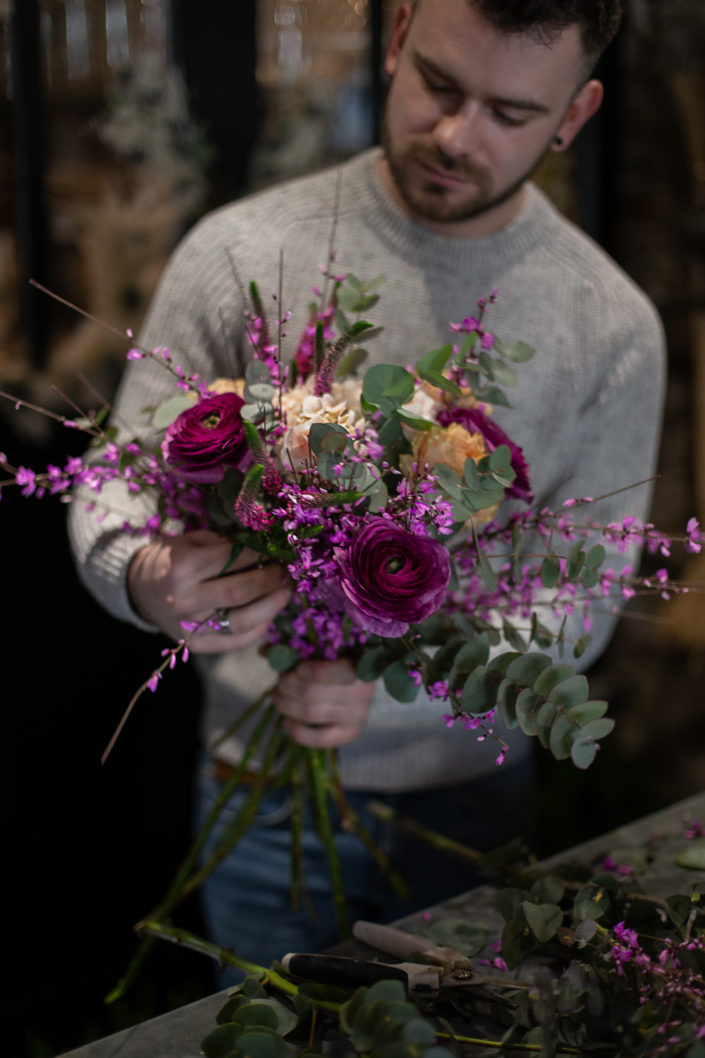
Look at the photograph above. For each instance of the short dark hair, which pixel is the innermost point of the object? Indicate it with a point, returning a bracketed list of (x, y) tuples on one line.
[(598, 20)]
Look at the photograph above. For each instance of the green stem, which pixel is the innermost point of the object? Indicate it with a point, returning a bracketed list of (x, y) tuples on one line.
[(533, 1048), (237, 827), (298, 807), (225, 957), (320, 786), (350, 820), (174, 893), (438, 841)]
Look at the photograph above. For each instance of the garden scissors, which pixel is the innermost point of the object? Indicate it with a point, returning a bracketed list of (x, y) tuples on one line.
[(441, 967)]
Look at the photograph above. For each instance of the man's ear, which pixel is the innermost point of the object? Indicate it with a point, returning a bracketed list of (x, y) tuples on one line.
[(400, 25), (584, 105)]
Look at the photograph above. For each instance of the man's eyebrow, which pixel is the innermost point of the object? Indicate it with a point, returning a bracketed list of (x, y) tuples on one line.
[(504, 101)]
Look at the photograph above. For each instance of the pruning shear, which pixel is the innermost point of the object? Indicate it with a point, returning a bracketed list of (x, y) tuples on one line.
[(442, 967)]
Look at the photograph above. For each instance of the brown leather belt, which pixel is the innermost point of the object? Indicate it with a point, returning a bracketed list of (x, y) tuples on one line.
[(223, 772)]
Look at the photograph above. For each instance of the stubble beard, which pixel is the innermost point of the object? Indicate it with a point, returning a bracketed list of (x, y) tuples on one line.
[(433, 203)]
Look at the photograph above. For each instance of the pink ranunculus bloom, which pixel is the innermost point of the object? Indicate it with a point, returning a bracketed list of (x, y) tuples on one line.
[(207, 439), (390, 578), (475, 421)]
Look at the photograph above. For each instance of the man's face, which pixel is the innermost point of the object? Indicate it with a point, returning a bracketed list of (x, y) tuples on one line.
[(472, 111)]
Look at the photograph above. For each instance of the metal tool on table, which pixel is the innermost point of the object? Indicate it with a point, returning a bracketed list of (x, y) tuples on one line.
[(442, 967)]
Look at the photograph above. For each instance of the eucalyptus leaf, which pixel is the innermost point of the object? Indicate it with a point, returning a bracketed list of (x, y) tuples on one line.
[(517, 352), (528, 707), (586, 711), (550, 571), (479, 692), (570, 692), (282, 658), (507, 695), (597, 729), (453, 931), (527, 668), (551, 677), (562, 737), (169, 411), (222, 1042), (398, 682), (692, 856), (583, 752), (544, 723)]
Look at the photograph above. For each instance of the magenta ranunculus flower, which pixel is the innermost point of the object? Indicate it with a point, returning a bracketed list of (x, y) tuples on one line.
[(390, 578), (207, 439), (475, 421)]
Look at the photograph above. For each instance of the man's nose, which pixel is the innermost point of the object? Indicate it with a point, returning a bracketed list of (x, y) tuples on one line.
[(457, 132)]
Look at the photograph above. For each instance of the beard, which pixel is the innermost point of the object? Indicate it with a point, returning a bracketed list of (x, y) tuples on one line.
[(433, 201)]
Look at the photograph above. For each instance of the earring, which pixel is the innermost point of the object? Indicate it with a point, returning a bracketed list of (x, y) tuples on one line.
[(558, 141)]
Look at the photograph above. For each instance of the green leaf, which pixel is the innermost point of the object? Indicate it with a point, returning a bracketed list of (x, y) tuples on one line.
[(479, 692), (551, 677), (590, 903), (581, 646), (170, 410), (693, 856), (586, 711), (595, 556), (435, 359), (485, 570), (597, 729), (452, 931), (544, 723), (583, 752), (680, 908), (259, 1043), (550, 571), (549, 890), (257, 1013), (372, 663), (414, 421), (503, 373), (543, 919), (327, 437), (528, 707), (517, 352), (282, 658), (387, 386), (472, 654), (570, 692), (513, 638), (527, 668), (517, 941), (399, 683), (562, 737), (441, 382), (507, 695), (508, 900), (222, 1042), (352, 360)]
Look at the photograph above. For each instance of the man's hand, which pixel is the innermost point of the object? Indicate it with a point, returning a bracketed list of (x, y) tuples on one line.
[(323, 703), (176, 579)]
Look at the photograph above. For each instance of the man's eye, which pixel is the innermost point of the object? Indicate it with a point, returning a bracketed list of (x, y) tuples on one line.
[(437, 86), (504, 118)]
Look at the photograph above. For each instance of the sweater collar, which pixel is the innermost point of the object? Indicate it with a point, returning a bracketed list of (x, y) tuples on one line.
[(410, 238)]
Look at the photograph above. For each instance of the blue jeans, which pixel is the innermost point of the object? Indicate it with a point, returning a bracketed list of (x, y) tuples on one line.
[(246, 901)]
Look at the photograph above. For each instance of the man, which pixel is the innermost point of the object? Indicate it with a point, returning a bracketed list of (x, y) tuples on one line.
[(480, 91)]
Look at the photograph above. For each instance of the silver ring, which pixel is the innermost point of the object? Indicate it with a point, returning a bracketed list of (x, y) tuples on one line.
[(222, 620)]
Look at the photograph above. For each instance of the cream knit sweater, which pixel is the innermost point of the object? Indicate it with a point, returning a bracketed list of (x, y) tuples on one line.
[(586, 410)]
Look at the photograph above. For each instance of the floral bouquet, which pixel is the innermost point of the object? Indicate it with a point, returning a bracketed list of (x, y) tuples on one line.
[(383, 497)]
